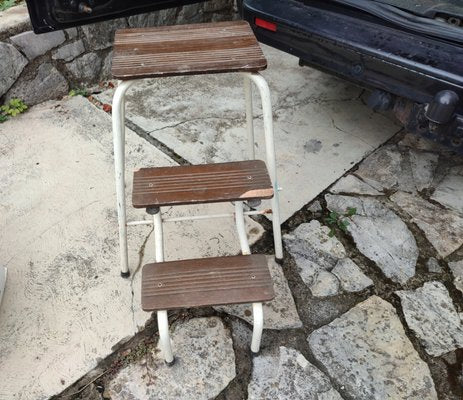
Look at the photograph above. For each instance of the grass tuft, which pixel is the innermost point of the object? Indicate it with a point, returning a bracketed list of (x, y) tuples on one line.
[(5, 4)]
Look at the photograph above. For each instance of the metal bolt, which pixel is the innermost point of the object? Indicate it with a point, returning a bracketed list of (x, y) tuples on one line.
[(152, 210), (454, 21), (457, 142), (84, 8), (254, 203), (357, 69)]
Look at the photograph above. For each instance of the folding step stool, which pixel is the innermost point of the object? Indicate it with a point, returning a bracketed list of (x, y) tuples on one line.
[(192, 50)]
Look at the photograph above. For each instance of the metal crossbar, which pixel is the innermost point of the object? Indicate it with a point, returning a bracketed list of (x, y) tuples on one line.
[(199, 217)]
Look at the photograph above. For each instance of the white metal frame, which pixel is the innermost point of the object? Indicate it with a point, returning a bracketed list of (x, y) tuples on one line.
[(264, 91), (257, 310), (3, 274), (118, 118), (163, 320)]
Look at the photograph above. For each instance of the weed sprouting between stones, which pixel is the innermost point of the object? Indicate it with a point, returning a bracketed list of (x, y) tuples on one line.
[(78, 92), (336, 221), (11, 109), (5, 4)]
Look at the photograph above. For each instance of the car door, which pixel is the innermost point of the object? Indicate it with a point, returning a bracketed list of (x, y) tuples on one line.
[(49, 15)]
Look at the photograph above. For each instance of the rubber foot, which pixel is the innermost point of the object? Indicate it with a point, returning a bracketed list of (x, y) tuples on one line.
[(254, 354), (169, 364), (279, 261), (125, 275)]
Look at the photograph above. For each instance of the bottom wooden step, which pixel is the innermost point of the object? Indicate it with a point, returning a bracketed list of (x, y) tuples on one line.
[(206, 282)]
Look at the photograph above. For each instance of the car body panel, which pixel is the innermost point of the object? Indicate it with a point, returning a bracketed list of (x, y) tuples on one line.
[(49, 15), (360, 48)]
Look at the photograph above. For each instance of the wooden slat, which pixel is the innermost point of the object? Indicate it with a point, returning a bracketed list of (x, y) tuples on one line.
[(186, 50), (206, 282), (197, 184)]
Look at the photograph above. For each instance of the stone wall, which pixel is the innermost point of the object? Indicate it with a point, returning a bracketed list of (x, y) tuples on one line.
[(36, 68)]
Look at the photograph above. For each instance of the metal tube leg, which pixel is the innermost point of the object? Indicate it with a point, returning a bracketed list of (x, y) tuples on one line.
[(249, 116), (163, 320), (122, 108), (119, 165), (264, 90), (277, 226), (158, 236), (241, 228), (164, 338), (3, 274), (258, 314)]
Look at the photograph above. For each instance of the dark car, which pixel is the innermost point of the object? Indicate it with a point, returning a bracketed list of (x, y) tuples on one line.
[(409, 52)]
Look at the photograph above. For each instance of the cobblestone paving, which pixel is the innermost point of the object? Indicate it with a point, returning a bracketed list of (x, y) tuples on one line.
[(373, 312)]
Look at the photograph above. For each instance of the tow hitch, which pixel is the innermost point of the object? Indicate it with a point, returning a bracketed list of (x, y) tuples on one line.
[(438, 120)]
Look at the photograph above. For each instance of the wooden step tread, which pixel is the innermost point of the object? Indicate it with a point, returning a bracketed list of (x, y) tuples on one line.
[(198, 184), (186, 50), (206, 282)]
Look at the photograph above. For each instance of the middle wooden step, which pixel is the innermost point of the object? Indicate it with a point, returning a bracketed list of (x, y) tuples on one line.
[(197, 184)]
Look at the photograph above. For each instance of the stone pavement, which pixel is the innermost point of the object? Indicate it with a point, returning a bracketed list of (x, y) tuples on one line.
[(379, 302), (373, 312)]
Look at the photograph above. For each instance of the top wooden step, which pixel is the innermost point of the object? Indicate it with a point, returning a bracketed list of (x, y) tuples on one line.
[(186, 50), (199, 184)]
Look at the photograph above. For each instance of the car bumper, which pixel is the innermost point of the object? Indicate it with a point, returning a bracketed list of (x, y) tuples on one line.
[(361, 49)]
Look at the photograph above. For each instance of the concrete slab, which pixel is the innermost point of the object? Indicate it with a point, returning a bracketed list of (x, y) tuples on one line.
[(65, 305), (322, 128)]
